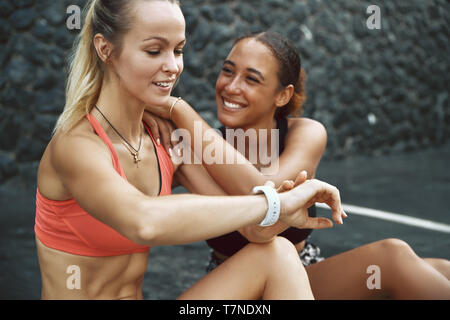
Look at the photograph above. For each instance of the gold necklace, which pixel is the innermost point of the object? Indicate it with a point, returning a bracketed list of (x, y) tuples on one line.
[(134, 152)]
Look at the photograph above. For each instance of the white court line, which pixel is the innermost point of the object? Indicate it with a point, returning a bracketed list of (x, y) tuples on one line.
[(394, 217)]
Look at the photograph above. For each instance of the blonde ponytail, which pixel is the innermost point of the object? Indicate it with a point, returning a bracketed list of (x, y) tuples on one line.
[(85, 77)]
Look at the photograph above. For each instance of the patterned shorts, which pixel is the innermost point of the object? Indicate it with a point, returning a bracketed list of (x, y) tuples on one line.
[(308, 255)]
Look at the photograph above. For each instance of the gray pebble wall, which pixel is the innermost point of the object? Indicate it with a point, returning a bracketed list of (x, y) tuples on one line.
[(376, 91)]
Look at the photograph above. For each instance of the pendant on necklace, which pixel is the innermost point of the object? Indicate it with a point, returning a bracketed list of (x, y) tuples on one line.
[(136, 158)]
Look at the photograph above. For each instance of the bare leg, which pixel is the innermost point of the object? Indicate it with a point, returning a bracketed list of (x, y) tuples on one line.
[(269, 271), (441, 265), (403, 274)]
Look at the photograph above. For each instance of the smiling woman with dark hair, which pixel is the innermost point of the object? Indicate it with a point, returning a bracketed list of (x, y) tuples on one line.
[(260, 85)]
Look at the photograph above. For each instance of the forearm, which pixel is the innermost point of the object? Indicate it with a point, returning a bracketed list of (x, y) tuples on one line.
[(255, 233), (237, 178), (179, 219), (196, 179)]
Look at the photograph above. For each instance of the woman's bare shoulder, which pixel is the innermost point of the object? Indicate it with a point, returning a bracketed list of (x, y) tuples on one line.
[(307, 127), (80, 141), (60, 155)]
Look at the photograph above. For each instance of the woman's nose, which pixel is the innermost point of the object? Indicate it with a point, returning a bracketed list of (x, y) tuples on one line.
[(233, 87), (170, 64)]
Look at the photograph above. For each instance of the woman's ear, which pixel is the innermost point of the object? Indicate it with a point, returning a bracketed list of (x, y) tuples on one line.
[(103, 47), (284, 96)]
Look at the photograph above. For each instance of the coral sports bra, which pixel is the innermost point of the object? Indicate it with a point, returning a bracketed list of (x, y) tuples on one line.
[(65, 226)]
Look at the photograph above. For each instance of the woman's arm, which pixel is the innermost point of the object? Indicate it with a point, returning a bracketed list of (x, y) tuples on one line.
[(240, 177), (90, 178), (204, 138), (198, 181), (305, 144)]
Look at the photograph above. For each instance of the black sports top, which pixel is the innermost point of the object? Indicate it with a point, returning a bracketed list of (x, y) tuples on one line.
[(231, 243)]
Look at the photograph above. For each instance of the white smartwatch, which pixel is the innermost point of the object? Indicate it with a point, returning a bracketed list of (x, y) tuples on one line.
[(273, 201)]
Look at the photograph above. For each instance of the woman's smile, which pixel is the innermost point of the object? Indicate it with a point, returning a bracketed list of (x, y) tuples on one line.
[(165, 86), (232, 105)]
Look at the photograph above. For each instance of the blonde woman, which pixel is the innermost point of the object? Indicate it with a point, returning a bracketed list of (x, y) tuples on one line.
[(103, 194)]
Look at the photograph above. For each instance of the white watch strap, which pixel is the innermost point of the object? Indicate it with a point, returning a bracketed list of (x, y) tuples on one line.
[(273, 201)]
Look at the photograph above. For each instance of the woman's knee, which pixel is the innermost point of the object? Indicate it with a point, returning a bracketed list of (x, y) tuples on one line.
[(276, 245), (393, 245), (284, 246), (395, 250), (280, 250)]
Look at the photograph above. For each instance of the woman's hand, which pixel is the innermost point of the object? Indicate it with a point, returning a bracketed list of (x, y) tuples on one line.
[(299, 219), (304, 193), (161, 130), (163, 110)]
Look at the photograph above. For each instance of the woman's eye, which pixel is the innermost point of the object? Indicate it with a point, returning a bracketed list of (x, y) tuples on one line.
[(153, 53), (179, 51), (226, 70), (253, 79)]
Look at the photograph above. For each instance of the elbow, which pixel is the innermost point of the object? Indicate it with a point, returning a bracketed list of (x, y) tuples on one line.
[(152, 233), (254, 236), (145, 235), (148, 228), (260, 240)]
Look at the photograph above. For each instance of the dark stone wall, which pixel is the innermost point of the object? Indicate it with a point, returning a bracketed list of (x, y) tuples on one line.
[(376, 91)]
